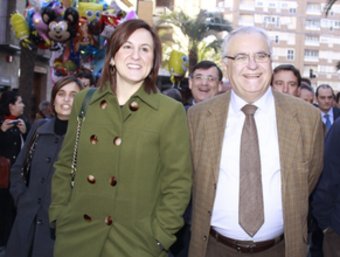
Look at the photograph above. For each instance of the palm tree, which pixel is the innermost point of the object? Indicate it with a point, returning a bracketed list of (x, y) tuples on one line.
[(196, 29), (329, 5)]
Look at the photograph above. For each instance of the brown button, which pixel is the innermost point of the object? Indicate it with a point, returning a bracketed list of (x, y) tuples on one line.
[(94, 139), (91, 179), (108, 220), (113, 181), (134, 106), (117, 141), (103, 104), (87, 218)]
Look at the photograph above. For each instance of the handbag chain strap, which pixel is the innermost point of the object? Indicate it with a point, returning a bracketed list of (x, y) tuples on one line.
[(80, 120)]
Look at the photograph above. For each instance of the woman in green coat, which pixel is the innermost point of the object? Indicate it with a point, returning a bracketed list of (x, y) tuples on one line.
[(133, 175)]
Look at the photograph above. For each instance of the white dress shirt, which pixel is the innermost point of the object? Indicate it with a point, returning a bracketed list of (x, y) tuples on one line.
[(225, 212)]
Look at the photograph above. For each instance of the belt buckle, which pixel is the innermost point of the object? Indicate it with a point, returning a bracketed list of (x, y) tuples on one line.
[(248, 246)]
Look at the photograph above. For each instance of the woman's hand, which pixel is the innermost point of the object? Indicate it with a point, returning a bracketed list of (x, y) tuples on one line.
[(22, 126), (7, 124)]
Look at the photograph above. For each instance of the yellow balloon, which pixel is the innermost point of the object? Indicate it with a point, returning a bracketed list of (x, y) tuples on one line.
[(178, 63), (19, 26)]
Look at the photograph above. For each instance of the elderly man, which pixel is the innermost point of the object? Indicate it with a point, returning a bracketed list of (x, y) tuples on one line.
[(257, 156)]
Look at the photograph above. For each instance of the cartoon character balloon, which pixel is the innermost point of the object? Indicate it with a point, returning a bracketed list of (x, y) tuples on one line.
[(178, 66), (21, 29)]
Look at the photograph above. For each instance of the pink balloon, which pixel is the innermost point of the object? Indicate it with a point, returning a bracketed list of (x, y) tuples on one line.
[(41, 27)]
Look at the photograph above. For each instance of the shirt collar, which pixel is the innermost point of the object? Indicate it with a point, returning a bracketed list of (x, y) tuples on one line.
[(330, 112), (262, 103)]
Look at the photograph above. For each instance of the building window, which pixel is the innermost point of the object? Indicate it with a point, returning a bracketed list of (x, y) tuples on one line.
[(311, 53), (272, 5), (271, 20), (313, 8), (313, 23), (290, 54), (276, 39), (292, 10)]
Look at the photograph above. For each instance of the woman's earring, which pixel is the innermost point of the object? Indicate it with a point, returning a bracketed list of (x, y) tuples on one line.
[(112, 65)]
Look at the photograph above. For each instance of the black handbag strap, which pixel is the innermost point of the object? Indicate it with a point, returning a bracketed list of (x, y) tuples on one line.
[(86, 102), (26, 168), (80, 119)]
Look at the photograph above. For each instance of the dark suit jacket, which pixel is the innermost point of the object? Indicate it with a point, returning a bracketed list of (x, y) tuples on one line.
[(336, 113), (326, 198), (300, 135)]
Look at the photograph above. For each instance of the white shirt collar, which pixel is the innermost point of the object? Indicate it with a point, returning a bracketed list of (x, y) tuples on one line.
[(236, 102)]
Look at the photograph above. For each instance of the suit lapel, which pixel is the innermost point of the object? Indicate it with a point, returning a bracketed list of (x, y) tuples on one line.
[(215, 124), (288, 129)]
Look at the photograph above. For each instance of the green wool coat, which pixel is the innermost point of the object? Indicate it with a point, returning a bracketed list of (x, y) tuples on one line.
[(133, 178)]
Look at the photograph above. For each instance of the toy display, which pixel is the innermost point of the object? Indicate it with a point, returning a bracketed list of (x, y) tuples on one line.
[(74, 31)]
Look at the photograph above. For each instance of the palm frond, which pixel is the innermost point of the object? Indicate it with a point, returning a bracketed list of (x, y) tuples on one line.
[(329, 6)]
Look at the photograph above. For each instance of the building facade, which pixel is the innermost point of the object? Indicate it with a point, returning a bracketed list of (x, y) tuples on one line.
[(301, 33)]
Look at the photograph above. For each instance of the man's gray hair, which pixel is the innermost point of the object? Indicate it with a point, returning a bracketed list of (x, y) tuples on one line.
[(245, 30)]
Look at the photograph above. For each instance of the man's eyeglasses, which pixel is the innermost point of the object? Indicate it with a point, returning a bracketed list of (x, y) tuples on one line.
[(260, 57), (199, 78)]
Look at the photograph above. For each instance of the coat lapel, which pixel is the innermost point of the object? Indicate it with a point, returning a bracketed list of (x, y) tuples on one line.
[(215, 125), (288, 133)]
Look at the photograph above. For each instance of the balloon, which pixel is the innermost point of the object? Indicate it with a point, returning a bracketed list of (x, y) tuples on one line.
[(130, 16), (90, 11), (61, 29), (109, 21), (178, 63), (21, 29), (41, 28), (83, 37), (95, 27)]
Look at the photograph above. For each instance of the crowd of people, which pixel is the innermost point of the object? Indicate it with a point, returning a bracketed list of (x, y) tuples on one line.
[(116, 168)]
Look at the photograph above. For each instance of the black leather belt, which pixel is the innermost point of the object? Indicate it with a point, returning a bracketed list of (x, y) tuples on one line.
[(246, 246)]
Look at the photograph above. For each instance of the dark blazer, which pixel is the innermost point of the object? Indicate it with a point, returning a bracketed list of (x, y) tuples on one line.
[(336, 113), (300, 135), (326, 198), (33, 201)]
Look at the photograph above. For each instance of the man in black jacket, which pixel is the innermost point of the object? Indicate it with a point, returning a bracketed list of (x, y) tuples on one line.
[(326, 199)]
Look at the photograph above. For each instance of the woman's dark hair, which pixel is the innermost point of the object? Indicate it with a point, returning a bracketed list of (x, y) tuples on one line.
[(60, 83), (87, 74), (7, 97), (118, 38)]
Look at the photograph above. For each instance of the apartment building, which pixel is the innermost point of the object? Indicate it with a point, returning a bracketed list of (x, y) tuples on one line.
[(302, 34)]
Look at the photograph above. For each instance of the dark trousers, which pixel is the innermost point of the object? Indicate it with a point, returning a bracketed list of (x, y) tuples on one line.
[(7, 215), (181, 247), (331, 244), (316, 239)]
